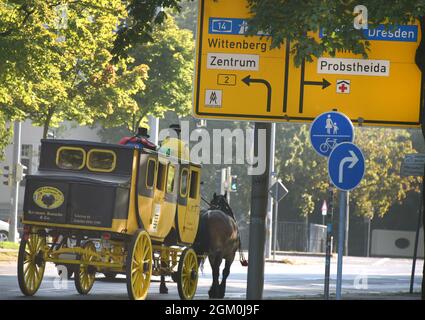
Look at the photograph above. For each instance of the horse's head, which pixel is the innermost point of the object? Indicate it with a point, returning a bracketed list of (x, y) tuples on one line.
[(219, 202)]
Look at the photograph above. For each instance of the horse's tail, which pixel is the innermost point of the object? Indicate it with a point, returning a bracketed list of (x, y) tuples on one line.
[(242, 259)]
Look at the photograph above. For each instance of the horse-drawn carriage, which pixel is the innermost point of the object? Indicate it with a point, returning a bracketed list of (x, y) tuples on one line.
[(111, 209)]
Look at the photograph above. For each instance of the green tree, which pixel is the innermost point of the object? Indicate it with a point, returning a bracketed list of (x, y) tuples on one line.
[(301, 20), (4, 135), (305, 172), (57, 62), (169, 87), (187, 17), (144, 16)]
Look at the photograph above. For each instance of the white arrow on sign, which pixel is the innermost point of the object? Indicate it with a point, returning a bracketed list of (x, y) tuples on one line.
[(353, 159)]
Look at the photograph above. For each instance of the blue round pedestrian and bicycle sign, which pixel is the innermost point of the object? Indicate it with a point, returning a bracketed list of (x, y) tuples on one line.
[(346, 166), (330, 129)]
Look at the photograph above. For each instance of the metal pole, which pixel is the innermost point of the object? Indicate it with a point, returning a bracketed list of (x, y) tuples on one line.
[(229, 181), (257, 227), (276, 213), (329, 231), (270, 225), (343, 198), (368, 237), (415, 250), (153, 129), (347, 228), (223, 181), (13, 226)]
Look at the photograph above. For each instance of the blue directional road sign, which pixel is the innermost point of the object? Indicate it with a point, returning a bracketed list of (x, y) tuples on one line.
[(330, 129), (346, 166)]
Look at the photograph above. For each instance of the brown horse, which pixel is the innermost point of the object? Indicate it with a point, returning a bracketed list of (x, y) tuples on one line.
[(219, 238)]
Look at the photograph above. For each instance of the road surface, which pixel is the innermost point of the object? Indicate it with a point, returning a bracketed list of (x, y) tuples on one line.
[(300, 277)]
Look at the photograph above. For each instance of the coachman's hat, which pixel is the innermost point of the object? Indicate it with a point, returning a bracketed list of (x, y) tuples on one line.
[(142, 132)]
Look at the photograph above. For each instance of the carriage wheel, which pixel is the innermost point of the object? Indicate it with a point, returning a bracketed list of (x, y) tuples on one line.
[(187, 280), (31, 263), (139, 266), (85, 274)]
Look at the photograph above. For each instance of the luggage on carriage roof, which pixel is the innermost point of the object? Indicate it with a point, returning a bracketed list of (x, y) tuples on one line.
[(140, 140)]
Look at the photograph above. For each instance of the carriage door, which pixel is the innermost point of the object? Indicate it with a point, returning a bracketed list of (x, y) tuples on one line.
[(158, 197), (191, 217)]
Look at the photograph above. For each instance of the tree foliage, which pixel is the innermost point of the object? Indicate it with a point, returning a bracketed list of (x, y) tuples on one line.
[(57, 62), (144, 15), (169, 86), (301, 20), (4, 135), (186, 18), (305, 172)]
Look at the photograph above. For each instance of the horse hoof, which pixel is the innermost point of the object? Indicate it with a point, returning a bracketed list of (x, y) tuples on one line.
[(163, 290)]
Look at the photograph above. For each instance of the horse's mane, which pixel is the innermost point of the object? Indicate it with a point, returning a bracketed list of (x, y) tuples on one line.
[(224, 206)]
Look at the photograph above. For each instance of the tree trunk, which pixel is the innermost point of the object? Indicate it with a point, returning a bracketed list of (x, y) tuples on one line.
[(46, 129), (46, 125)]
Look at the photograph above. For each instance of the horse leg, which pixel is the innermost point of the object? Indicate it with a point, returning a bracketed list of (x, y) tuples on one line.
[(215, 262), (226, 272), (163, 287)]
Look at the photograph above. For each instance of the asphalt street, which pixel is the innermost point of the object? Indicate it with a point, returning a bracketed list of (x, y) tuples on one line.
[(300, 277)]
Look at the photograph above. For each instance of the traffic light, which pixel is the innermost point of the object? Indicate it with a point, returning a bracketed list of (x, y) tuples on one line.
[(234, 184), (7, 175), (20, 172)]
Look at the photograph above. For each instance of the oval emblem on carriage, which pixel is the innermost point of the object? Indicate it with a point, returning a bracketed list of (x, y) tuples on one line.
[(48, 197)]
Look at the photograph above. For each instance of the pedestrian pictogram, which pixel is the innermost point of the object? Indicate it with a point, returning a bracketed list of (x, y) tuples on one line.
[(330, 129)]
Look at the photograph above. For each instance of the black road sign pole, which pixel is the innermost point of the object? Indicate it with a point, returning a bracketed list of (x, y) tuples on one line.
[(329, 232), (257, 226), (415, 250), (343, 214)]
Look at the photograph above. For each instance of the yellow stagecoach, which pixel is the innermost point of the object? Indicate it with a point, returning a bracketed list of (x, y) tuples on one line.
[(111, 209)]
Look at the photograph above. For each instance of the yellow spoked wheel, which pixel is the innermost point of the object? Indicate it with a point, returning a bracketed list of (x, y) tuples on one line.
[(85, 274), (139, 266), (31, 263), (187, 274)]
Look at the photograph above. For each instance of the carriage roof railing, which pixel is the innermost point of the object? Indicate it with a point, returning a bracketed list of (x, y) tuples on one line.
[(65, 142)]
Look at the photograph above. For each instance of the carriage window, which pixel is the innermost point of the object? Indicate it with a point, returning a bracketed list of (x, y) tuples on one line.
[(160, 182), (194, 184), (183, 183), (101, 160), (170, 178), (150, 175), (70, 158)]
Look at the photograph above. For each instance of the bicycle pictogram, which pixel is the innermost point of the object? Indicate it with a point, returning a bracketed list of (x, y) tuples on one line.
[(329, 144)]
